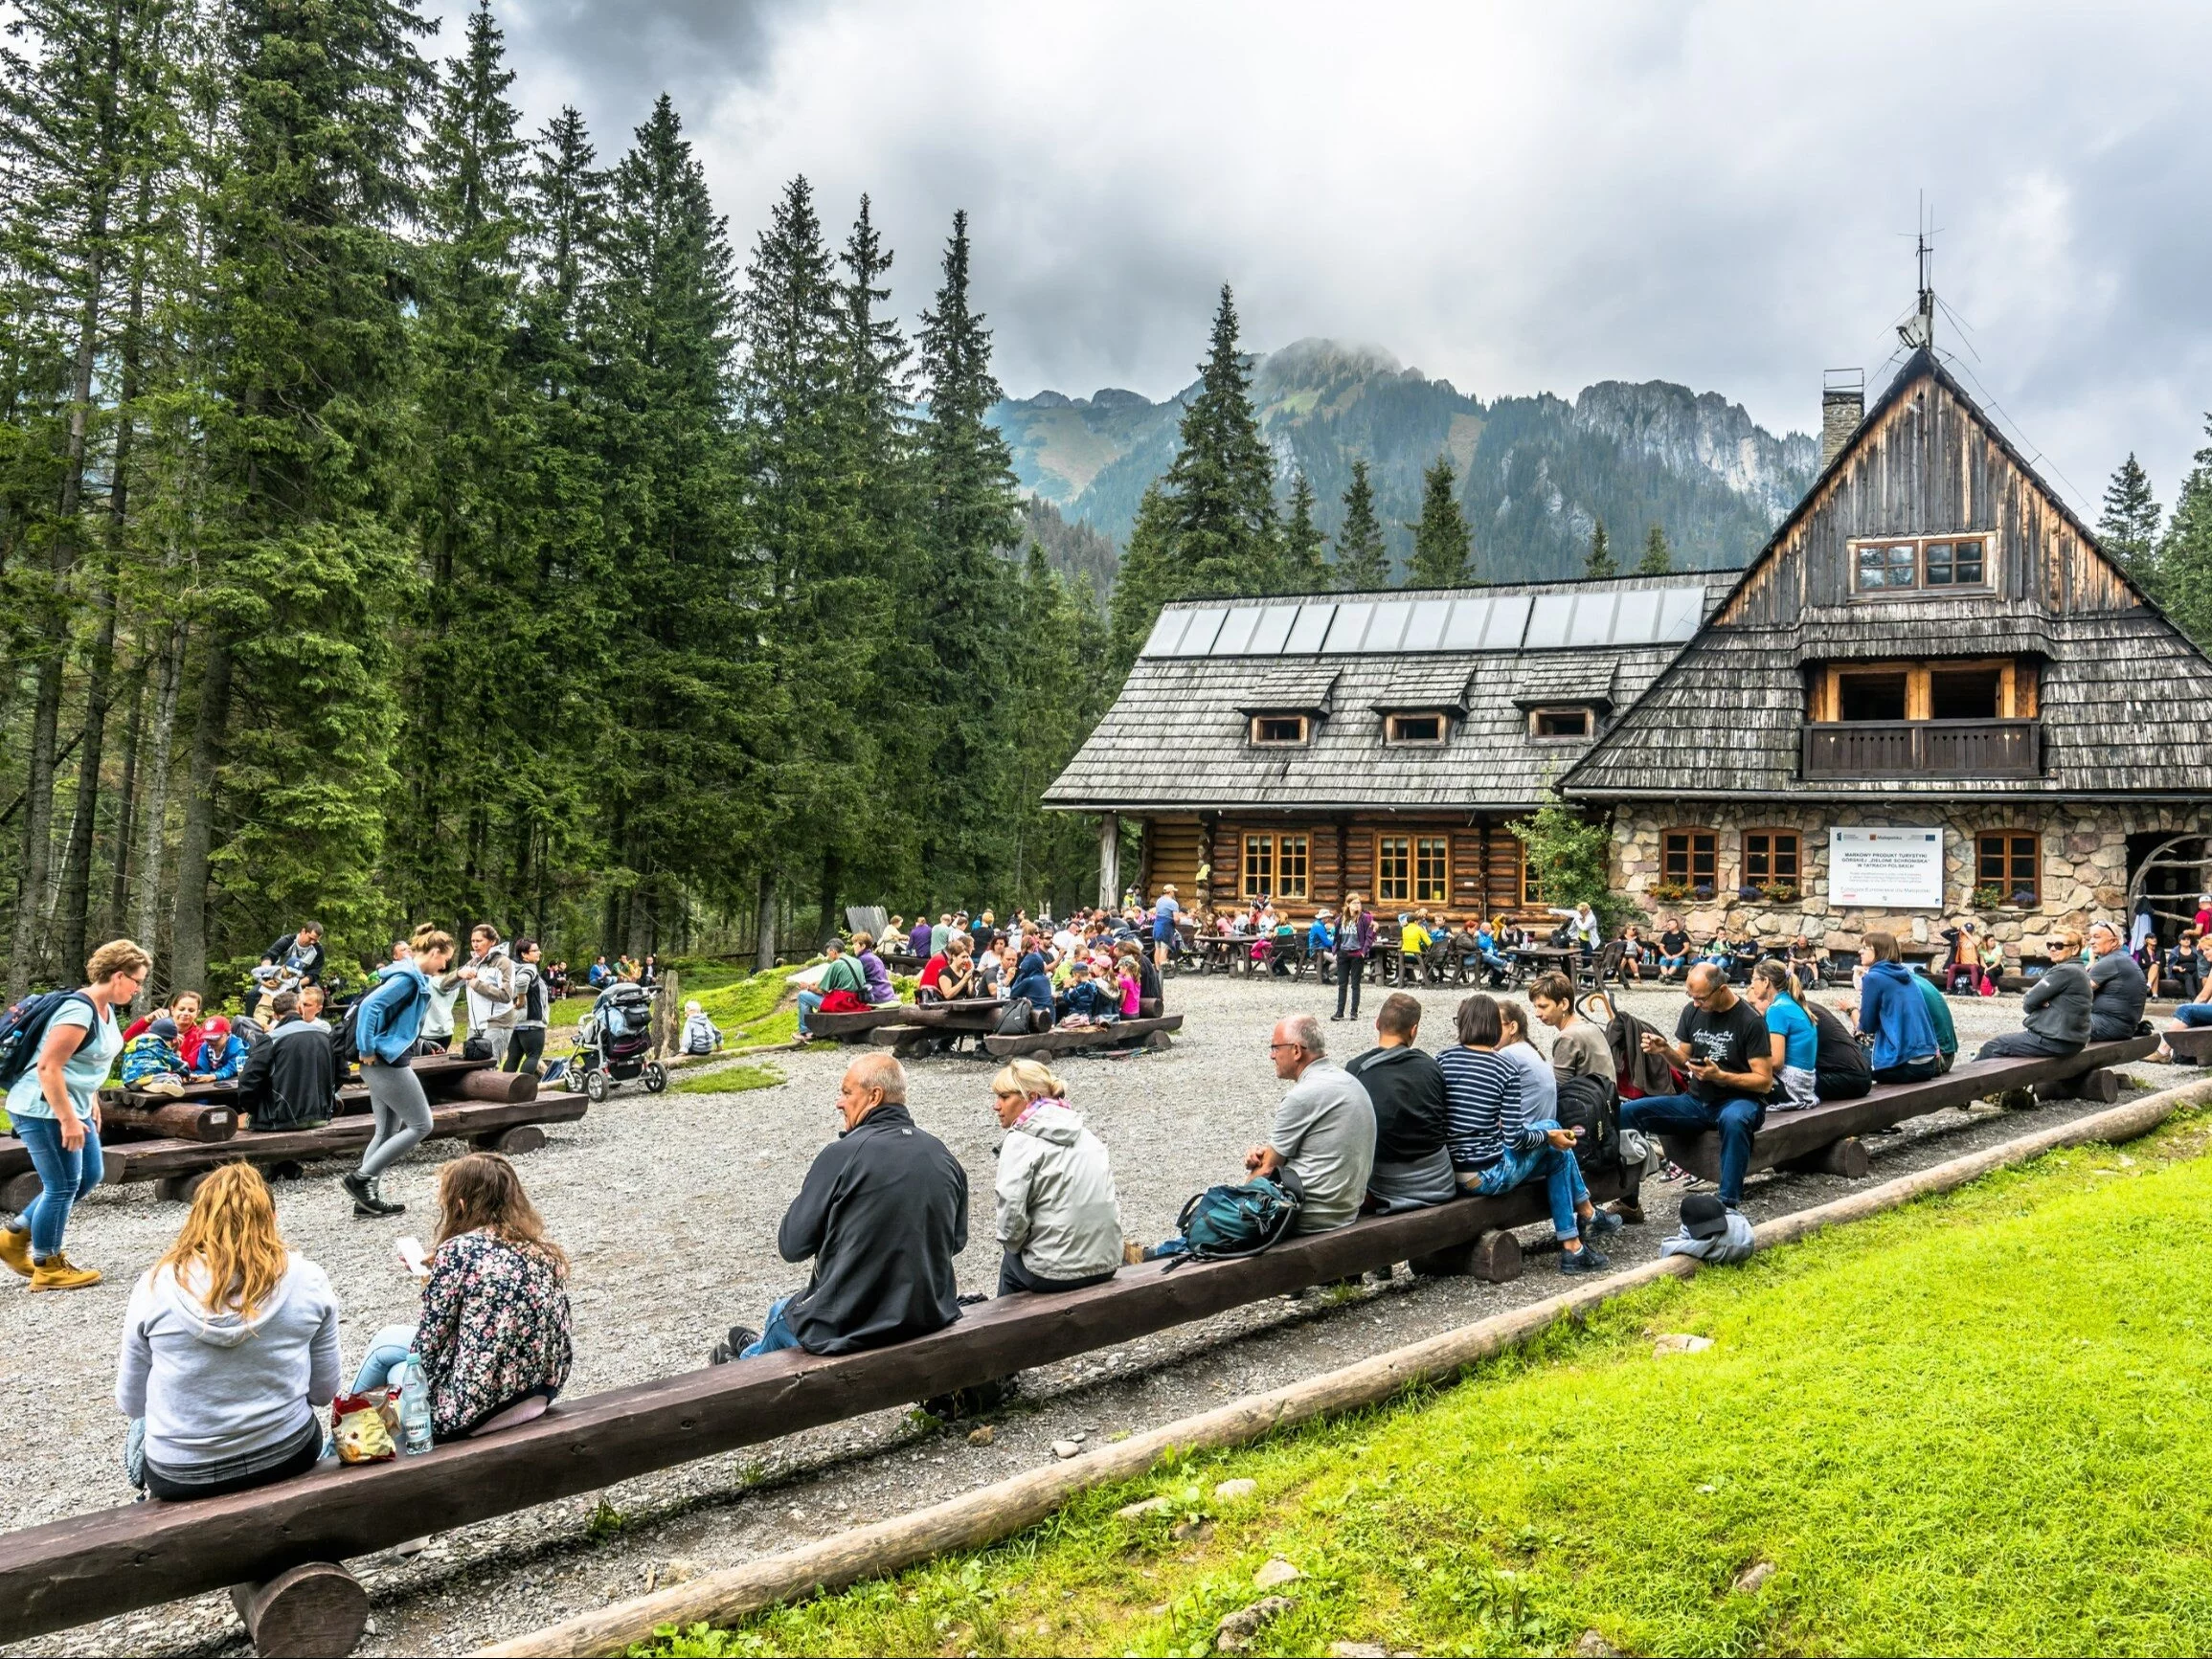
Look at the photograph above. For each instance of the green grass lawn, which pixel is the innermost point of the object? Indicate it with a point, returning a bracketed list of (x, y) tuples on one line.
[(1976, 1425), (743, 1005), (725, 1079)]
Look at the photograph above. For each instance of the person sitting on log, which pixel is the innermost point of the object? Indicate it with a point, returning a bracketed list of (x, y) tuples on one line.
[(1404, 1086), (229, 1344), (842, 988), (1793, 1040), (2055, 1012), (289, 1080), (701, 1035), (1085, 1001), (183, 1010), (1723, 1045), (1673, 949), (1893, 1010), (151, 1061), (2190, 1016), (1840, 1068), (880, 992), (883, 1213), (1496, 1146), (2117, 988), (1060, 1217), (222, 1051), (493, 1338)]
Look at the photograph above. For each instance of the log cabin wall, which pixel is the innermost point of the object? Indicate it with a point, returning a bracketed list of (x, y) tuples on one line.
[(1482, 876)]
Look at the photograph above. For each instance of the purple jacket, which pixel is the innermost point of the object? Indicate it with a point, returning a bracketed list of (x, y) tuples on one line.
[(919, 938), (1361, 939), (879, 985)]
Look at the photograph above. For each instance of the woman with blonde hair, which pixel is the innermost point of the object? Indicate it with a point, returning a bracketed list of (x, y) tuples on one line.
[(1060, 1217), (229, 1345), (494, 1339), (55, 1106)]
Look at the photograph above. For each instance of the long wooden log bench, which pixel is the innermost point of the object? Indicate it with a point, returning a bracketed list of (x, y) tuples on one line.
[(1825, 1138), (285, 1543), (1151, 1032), (2192, 1045), (180, 1165)]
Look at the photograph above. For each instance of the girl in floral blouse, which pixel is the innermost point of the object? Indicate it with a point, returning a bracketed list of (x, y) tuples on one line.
[(493, 1338)]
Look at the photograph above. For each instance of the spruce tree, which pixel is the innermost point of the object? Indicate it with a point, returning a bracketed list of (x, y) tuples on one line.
[(1303, 567), (1600, 562), (1222, 480), (1148, 577), (1443, 545), (2184, 560), (2130, 525), (1659, 559), (1363, 562)]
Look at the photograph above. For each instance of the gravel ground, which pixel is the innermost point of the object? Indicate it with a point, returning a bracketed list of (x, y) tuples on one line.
[(669, 1208)]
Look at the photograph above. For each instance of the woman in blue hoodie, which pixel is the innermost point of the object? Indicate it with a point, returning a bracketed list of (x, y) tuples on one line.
[(386, 1023), (1894, 1013)]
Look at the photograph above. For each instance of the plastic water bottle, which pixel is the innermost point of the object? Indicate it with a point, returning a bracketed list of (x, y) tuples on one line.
[(414, 1408)]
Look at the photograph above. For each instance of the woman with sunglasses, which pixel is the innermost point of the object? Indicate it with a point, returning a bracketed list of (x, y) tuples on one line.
[(55, 1106)]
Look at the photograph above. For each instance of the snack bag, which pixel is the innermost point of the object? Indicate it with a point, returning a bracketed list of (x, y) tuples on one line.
[(357, 1425)]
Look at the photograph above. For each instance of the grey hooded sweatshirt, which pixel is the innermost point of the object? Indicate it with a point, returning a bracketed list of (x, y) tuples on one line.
[(1057, 1207), (216, 1389), (1736, 1244)]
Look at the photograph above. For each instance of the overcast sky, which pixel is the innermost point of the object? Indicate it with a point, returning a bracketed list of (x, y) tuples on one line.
[(1516, 198)]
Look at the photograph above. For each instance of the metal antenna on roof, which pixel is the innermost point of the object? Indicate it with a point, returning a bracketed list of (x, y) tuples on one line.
[(1919, 333)]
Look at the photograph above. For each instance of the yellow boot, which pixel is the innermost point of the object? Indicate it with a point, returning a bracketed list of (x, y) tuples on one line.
[(54, 1273), (15, 1250)]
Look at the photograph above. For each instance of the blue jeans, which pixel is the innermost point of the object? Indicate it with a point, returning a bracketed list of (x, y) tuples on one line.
[(808, 1002), (63, 1174), (1560, 1175), (1738, 1121), (385, 1364), (2194, 1014), (774, 1334)]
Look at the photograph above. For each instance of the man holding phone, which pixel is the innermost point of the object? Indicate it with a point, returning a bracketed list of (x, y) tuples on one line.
[(1722, 1044)]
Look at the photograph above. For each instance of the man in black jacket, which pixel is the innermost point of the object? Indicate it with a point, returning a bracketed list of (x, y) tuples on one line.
[(1406, 1087), (883, 1212), (290, 1077)]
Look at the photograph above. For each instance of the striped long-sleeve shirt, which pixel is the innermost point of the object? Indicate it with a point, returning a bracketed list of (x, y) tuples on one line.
[(1483, 1109)]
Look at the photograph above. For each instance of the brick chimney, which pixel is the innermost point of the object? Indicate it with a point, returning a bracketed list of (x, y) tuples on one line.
[(1843, 407)]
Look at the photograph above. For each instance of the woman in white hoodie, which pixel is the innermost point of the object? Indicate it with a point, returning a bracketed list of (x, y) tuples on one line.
[(229, 1345), (1059, 1220)]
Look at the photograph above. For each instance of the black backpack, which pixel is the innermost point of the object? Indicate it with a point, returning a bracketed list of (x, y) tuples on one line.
[(1014, 1022), (1592, 1107), (344, 1050)]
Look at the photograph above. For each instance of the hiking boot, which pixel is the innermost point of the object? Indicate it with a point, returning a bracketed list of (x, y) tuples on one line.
[(1630, 1213), (1698, 1184), (739, 1339), (1587, 1259), (55, 1273), (369, 1200), (15, 1250), (1600, 1224)]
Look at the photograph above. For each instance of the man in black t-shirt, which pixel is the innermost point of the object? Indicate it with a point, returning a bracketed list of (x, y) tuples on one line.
[(1722, 1044), (1674, 949)]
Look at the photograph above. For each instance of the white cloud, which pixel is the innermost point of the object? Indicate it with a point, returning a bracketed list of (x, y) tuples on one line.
[(1517, 198)]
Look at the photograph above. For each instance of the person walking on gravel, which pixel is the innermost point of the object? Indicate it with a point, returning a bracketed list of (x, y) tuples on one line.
[(385, 1027), (55, 1106)]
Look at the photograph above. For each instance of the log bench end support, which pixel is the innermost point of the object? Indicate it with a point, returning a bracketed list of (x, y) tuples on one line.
[(520, 1139), (316, 1610), (1845, 1157), (1495, 1256), (181, 1189), (2102, 1085)]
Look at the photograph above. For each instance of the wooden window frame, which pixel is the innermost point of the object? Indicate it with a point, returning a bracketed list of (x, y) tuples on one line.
[(1690, 856), (2008, 852), (1920, 545), (1284, 841), (1405, 879), (2017, 685), (1393, 739), (1440, 892), (1248, 843), (1797, 837), (1305, 731), (1536, 718)]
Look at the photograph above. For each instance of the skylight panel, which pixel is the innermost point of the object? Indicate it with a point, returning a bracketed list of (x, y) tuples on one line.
[(1508, 622), (1637, 622), (1236, 632), (1311, 628), (1351, 624), (1167, 633), (1198, 639), (1678, 613), (1274, 626), (1388, 627), (1424, 628), (1464, 631), (1592, 623), (1548, 625)]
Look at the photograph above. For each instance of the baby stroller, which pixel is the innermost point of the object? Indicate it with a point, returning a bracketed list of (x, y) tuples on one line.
[(614, 1044)]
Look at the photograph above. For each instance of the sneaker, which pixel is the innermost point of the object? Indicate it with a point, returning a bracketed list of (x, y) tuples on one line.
[(1601, 1224), (55, 1273), (1698, 1184), (739, 1339), (369, 1200), (1671, 1172), (357, 1188), (15, 1250), (1587, 1259)]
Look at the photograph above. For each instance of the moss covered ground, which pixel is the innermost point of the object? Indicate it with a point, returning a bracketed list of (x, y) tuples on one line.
[(1978, 1425)]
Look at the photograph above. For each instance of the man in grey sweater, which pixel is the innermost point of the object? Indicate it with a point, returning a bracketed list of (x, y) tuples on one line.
[(2055, 1011), (2117, 988)]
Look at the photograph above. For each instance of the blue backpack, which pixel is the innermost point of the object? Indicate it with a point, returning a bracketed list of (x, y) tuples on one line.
[(23, 1031), (1222, 1223)]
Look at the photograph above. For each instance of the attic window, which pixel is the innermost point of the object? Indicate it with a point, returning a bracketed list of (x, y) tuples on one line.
[(1415, 730), (1279, 731), (1559, 723), (1920, 562)]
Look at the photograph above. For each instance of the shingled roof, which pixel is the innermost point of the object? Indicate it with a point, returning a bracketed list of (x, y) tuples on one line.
[(1177, 738)]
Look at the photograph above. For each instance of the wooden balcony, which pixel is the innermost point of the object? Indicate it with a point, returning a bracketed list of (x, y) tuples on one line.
[(1906, 749)]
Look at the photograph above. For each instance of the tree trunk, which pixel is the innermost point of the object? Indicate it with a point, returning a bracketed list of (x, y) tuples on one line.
[(154, 823), (189, 933), (37, 824), (73, 917), (832, 868), (764, 924), (111, 921)]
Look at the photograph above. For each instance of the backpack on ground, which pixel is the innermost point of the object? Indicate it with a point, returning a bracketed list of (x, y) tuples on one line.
[(23, 1030), (1592, 1107), (1015, 1021), (1224, 1222)]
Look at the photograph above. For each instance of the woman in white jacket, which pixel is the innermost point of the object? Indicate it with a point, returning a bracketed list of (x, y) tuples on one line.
[(1059, 1220), (229, 1345)]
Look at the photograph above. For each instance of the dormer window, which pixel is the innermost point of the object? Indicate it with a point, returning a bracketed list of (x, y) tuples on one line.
[(1903, 564), (1415, 731), (1562, 723), (1280, 730)]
